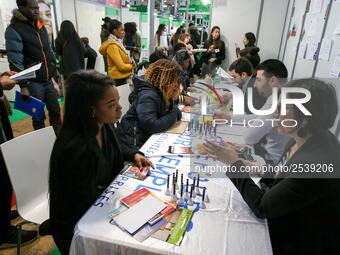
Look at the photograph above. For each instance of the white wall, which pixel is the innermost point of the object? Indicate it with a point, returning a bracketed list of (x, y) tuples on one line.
[(235, 18), (271, 29)]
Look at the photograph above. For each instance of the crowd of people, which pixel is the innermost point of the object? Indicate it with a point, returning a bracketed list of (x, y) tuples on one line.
[(94, 139)]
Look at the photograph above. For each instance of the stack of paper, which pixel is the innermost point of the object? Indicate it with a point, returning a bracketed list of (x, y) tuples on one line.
[(138, 215), (29, 73)]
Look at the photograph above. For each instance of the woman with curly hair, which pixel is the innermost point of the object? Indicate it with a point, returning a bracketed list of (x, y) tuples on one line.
[(153, 111)]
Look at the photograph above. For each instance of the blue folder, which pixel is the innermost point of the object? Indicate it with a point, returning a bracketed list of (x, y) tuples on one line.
[(32, 106)]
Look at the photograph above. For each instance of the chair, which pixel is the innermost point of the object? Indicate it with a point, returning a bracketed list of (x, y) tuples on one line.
[(27, 160), (124, 92)]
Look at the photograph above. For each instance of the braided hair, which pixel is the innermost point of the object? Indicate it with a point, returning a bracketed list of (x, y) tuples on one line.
[(165, 75)]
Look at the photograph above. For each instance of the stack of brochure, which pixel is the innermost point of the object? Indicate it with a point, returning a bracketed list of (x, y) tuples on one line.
[(146, 215)]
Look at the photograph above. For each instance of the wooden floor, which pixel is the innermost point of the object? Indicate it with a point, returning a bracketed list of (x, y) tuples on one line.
[(43, 245)]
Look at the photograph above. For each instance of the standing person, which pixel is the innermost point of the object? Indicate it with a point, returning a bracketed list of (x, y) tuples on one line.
[(184, 43), (175, 37), (132, 41), (27, 44), (250, 51), (104, 35), (161, 39), (215, 53), (120, 65), (90, 54), (8, 233), (86, 156), (70, 49), (195, 38)]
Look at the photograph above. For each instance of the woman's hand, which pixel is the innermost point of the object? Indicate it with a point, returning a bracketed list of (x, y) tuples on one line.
[(212, 60), (141, 161), (211, 48), (226, 154)]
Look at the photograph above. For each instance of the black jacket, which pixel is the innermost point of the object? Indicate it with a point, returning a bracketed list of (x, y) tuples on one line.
[(84, 171), (147, 115), (28, 44), (71, 53), (303, 214), (251, 53), (217, 53)]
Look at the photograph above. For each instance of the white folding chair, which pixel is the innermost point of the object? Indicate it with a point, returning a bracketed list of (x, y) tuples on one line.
[(27, 160), (124, 92)]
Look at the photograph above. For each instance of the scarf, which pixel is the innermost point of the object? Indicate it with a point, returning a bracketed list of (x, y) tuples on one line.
[(119, 42)]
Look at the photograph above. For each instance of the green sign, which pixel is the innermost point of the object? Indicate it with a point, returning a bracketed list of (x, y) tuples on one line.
[(199, 6), (112, 12), (144, 17), (138, 8), (182, 9), (145, 43), (164, 21)]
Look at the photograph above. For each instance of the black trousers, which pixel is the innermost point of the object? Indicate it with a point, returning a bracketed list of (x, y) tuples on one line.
[(120, 82), (5, 183)]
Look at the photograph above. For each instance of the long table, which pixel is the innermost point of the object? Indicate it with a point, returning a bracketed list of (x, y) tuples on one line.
[(226, 226)]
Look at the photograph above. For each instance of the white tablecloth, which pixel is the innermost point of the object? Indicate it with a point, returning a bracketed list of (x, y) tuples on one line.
[(227, 226)]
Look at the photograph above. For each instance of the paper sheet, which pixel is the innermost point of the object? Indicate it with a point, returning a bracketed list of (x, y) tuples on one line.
[(27, 73), (313, 25), (326, 48), (312, 48), (134, 218), (335, 71)]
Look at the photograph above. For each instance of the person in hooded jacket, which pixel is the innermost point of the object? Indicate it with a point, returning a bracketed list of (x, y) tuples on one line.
[(120, 65), (153, 110), (250, 51)]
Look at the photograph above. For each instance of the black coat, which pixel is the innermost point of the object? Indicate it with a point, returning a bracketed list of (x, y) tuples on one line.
[(71, 53), (28, 44), (251, 53), (303, 214), (147, 115), (218, 53), (83, 172)]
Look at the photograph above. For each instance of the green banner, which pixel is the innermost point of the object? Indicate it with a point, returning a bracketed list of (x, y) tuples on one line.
[(164, 21), (138, 8), (145, 43), (182, 9), (112, 12), (144, 17), (199, 6)]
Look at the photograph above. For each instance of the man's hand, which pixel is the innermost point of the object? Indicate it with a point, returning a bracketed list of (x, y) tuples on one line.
[(222, 116), (224, 153), (6, 82), (25, 93)]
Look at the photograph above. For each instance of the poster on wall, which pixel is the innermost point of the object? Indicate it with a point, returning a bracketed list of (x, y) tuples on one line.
[(46, 14)]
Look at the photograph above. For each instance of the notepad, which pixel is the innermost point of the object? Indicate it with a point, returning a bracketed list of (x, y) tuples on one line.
[(136, 216)]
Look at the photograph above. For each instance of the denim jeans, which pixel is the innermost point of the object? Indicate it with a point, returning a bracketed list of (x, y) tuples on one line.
[(46, 92)]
